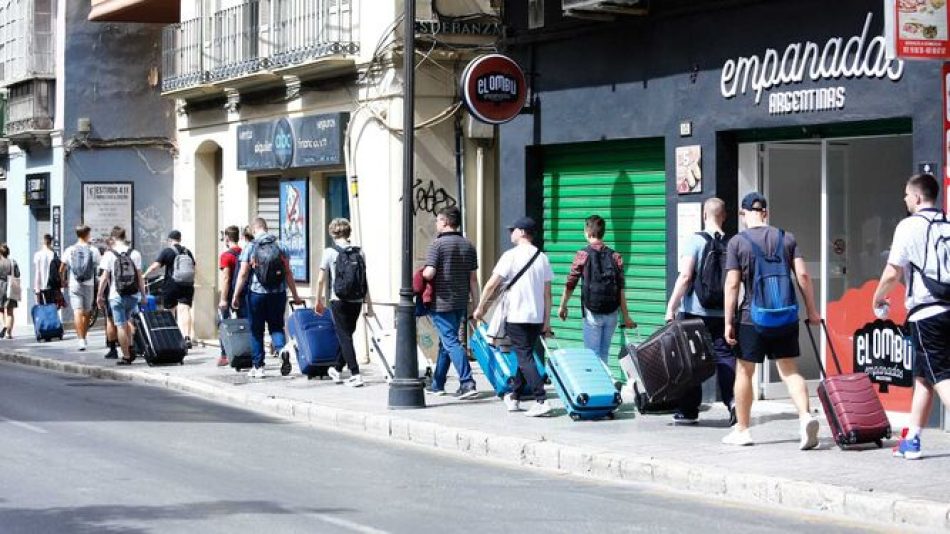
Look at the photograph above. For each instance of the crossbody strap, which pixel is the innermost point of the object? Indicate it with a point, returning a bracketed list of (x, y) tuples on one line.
[(523, 269)]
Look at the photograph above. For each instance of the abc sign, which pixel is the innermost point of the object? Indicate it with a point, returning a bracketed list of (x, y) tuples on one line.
[(283, 143), (494, 88)]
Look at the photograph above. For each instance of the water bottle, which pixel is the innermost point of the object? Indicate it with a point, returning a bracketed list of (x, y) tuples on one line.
[(881, 311)]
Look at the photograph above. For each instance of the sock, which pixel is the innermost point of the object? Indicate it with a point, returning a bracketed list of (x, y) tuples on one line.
[(913, 432), (111, 344)]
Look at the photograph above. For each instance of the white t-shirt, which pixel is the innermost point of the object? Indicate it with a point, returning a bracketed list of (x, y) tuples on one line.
[(41, 261), (526, 297), (108, 262), (68, 257), (328, 264), (909, 246)]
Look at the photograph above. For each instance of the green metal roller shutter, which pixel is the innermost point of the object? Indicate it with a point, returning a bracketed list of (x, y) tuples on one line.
[(624, 182)]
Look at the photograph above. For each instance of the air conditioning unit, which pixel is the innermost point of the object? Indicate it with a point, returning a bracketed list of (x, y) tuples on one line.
[(601, 8)]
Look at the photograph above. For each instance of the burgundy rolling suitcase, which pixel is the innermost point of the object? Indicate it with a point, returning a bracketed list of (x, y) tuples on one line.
[(854, 411)]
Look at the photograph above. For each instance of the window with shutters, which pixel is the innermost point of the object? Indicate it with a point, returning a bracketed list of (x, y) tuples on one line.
[(268, 201)]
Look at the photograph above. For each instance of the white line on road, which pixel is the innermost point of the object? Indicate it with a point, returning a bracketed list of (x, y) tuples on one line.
[(349, 525), (21, 424)]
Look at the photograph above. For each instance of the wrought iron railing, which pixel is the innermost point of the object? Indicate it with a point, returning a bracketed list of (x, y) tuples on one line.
[(238, 41)]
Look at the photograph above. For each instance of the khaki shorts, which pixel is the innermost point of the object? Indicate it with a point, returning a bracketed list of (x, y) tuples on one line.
[(82, 297)]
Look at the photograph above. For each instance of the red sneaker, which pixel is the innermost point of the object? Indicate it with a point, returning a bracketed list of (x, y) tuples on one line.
[(223, 361)]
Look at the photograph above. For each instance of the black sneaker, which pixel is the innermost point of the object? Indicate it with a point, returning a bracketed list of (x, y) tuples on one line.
[(733, 420), (466, 392), (188, 342), (113, 354), (284, 363), (679, 418)]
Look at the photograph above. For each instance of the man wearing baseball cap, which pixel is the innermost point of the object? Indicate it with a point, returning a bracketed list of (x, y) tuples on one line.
[(756, 339), (529, 311)]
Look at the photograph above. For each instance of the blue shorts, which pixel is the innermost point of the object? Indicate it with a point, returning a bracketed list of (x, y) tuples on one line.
[(123, 308)]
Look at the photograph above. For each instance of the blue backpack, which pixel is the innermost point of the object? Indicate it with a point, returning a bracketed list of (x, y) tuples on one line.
[(773, 306)]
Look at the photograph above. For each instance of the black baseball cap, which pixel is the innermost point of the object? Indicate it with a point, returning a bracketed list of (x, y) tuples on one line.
[(175, 235), (754, 201), (524, 223)]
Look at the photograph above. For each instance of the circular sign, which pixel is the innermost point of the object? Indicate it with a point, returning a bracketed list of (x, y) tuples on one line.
[(494, 88), (283, 143)]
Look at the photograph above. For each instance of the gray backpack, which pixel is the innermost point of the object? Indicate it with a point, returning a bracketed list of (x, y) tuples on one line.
[(183, 269), (82, 265)]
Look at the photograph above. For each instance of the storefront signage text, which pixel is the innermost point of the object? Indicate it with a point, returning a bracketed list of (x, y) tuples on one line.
[(434, 27), (107, 204), (494, 88), (311, 141), (856, 57), (883, 352)]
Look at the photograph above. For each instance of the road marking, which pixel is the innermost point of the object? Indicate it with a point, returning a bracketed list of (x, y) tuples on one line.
[(26, 426), (349, 525)]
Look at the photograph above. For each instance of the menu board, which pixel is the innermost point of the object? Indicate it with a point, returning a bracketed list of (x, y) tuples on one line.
[(918, 29)]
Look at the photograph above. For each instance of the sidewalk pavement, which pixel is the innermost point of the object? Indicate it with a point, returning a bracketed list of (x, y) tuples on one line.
[(866, 485)]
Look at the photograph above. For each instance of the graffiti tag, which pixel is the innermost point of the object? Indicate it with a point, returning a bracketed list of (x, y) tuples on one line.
[(430, 199)]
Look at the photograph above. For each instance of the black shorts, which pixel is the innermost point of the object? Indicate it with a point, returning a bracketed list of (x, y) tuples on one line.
[(754, 347), (174, 294), (932, 347)]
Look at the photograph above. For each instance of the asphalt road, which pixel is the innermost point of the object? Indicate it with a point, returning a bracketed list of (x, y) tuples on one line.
[(80, 455)]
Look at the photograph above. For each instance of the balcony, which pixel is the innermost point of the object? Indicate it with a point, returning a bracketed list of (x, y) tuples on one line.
[(163, 11), (255, 42), (29, 113), (26, 41)]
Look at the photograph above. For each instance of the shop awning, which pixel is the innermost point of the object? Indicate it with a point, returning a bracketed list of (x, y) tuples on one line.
[(160, 11)]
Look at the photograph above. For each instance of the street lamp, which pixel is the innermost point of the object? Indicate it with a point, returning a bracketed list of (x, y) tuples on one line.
[(405, 390)]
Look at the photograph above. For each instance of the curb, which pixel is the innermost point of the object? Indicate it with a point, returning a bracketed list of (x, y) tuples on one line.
[(792, 495)]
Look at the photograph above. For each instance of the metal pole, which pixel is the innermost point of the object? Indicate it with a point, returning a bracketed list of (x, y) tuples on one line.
[(405, 390)]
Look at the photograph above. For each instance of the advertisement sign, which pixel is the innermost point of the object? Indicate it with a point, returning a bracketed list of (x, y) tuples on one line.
[(56, 228), (885, 352), (107, 204), (494, 88), (689, 172), (311, 141), (946, 134), (293, 226), (917, 29)]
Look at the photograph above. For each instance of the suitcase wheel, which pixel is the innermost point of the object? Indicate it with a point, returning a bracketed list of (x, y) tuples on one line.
[(611, 416), (879, 443), (575, 417)]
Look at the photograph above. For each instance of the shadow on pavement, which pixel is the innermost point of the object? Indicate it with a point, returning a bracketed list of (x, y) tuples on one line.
[(126, 519)]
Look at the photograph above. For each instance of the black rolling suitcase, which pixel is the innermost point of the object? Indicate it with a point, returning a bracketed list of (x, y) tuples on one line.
[(677, 356), (158, 339), (640, 399), (234, 334)]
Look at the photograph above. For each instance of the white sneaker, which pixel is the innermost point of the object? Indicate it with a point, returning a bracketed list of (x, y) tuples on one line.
[(252, 373), (82, 344), (355, 381), (513, 404), (539, 409), (337, 376), (260, 373), (738, 437), (809, 432)]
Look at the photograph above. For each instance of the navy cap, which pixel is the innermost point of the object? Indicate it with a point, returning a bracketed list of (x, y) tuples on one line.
[(175, 235), (524, 223), (754, 201)]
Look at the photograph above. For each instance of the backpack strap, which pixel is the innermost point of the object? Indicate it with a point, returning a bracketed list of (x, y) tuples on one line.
[(756, 249)]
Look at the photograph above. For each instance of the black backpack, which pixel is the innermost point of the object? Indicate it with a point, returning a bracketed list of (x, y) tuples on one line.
[(268, 262), (710, 274), (54, 280), (349, 274), (601, 290), (125, 273)]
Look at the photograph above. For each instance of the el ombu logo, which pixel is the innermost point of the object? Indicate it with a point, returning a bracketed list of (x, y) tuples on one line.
[(885, 353), (496, 87), (283, 143)]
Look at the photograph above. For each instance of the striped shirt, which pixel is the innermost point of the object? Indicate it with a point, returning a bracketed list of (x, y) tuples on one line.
[(454, 259)]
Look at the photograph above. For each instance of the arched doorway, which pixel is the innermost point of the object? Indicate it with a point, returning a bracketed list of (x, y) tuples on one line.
[(207, 236)]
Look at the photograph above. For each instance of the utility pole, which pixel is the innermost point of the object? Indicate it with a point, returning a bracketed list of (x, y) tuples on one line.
[(406, 388)]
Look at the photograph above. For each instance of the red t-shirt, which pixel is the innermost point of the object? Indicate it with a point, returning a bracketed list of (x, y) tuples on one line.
[(229, 258)]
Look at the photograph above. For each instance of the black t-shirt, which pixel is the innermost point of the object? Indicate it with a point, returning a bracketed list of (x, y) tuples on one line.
[(166, 258)]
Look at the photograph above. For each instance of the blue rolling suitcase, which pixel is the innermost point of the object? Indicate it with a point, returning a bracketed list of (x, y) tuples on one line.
[(499, 366), (46, 322), (314, 339), (583, 383)]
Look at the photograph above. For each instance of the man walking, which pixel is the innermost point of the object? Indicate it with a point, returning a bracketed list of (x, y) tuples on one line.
[(122, 275), (698, 294), (451, 263), (919, 256), (778, 341), (602, 293), (265, 263), (229, 263), (529, 310), (47, 286), (80, 262), (343, 268), (178, 288)]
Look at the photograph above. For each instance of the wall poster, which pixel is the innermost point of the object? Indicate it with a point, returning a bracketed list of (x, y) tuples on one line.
[(917, 29), (107, 204), (294, 226), (689, 173), (689, 220)]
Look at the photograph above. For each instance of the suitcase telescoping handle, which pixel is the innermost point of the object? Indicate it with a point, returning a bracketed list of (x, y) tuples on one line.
[(636, 334), (544, 342), (831, 348), (379, 324), (293, 306)]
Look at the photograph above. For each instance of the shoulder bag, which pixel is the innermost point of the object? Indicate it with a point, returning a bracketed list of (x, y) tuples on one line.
[(14, 287), (496, 330)]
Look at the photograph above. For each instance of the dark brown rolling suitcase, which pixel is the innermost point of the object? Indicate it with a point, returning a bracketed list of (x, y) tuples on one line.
[(158, 339), (854, 411), (677, 356)]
